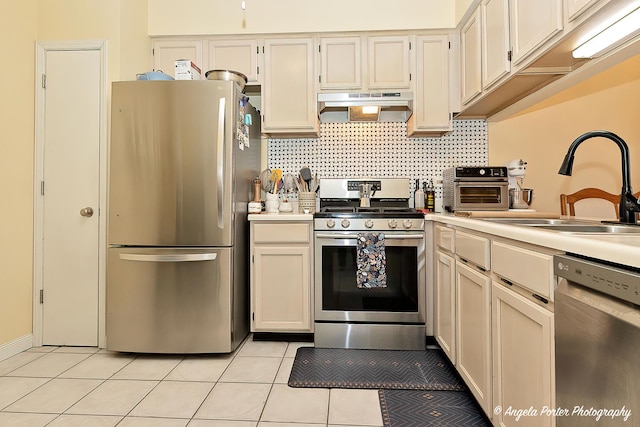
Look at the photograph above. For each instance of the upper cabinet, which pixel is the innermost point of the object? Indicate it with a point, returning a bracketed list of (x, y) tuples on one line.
[(495, 41), (236, 55), (389, 62), (431, 108), (341, 63), (288, 92), (365, 63), (532, 23), (471, 57), (167, 52)]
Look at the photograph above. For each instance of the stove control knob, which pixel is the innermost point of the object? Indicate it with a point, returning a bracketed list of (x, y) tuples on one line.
[(407, 223), (393, 223), (331, 223), (345, 223), (368, 223)]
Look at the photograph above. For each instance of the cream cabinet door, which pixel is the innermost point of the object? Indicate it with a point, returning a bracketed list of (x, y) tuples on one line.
[(389, 62), (235, 55), (532, 23), (288, 96), (431, 111), (445, 304), (575, 8), (471, 58), (340, 63), (167, 52), (281, 283), (523, 357), (473, 324), (495, 41)]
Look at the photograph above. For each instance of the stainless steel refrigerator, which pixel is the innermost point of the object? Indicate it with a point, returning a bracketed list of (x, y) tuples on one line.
[(181, 160)]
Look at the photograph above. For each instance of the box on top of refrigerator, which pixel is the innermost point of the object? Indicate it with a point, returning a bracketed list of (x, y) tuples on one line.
[(187, 70)]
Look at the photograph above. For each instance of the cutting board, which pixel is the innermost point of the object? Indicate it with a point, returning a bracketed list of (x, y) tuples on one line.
[(507, 214)]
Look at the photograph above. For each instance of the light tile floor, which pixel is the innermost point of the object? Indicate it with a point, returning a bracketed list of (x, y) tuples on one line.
[(78, 386)]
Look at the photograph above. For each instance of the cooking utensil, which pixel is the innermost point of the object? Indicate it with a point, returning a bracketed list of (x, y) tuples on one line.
[(305, 174), (234, 76), (288, 183), (276, 177), (265, 180)]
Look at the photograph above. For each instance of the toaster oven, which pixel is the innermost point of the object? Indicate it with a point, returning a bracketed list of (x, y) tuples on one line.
[(474, 188)]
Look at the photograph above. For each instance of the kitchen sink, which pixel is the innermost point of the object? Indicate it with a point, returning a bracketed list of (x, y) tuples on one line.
[(529, 221), (589, 228)]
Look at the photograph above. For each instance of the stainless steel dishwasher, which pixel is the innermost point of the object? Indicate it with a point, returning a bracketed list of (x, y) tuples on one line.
[(597, 330)]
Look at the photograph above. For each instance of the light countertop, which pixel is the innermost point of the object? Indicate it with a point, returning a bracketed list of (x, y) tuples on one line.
[(289, 216), (621, 248)]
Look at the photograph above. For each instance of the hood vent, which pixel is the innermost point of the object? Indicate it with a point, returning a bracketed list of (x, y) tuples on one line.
[(365, 107)]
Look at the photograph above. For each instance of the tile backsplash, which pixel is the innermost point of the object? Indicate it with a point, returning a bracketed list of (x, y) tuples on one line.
[(346, 150)]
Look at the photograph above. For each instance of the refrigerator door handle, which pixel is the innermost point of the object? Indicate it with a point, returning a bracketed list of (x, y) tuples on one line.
[(220, 154), (169, 257)]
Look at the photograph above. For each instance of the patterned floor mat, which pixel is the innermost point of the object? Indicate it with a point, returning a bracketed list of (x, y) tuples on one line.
[(429, 408), (368, 369)]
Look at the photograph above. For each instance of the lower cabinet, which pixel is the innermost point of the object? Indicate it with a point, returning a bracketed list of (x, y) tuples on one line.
[(473, 320), (523, 371), (281, 272), (445, 304)]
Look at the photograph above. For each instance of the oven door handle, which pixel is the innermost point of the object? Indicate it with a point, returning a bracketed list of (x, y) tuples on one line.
[(386, 236)]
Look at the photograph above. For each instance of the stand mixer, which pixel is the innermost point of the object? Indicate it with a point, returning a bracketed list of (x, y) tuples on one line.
[(519, 197)]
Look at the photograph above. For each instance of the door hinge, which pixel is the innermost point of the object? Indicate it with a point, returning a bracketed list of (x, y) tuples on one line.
[(41, 296), (258, 50), (509, 55), (319, 51), (409, 76), (153, 52), (258, 70), (449, 45), (410, 46), (42, 188), (44, 81), (253, 259), (319, 79), (253, 316)]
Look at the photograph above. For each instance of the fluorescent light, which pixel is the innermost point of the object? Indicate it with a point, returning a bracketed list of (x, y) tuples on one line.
[(615, 31), (370, 109)]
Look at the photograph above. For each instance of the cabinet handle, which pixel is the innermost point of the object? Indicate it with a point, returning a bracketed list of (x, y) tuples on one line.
[(506, 281), (540, 298)]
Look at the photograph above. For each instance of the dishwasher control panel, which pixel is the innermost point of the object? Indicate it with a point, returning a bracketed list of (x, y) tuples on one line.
[(613, 280)]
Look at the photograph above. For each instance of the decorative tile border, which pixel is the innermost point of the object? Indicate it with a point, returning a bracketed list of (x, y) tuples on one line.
[(382, 150)]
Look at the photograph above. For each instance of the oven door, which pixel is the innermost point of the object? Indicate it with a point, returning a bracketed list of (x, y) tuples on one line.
[(481, 196), (337, 297)]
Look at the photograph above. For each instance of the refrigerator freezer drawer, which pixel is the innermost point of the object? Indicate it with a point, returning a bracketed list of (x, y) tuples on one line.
[(170, 300)]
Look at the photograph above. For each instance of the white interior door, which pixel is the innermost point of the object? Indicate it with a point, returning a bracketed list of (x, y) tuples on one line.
[(70, 197)]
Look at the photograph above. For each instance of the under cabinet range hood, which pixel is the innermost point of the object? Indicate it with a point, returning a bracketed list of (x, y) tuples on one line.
[(365, 107)]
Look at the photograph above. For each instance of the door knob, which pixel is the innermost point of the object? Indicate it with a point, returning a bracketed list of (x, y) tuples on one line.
[(86, 212)]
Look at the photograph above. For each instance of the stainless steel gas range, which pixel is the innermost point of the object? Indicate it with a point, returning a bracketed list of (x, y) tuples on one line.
[(380, 317)]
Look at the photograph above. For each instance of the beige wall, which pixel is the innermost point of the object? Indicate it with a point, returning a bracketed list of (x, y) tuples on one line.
[(17, 36), (541, 135), (123, 24), (171, 17)]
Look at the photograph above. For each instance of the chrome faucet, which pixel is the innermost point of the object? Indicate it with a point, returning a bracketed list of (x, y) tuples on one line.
[(628, 203)]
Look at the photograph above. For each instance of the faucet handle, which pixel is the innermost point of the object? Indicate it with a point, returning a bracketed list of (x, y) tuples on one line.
[(631, 204)]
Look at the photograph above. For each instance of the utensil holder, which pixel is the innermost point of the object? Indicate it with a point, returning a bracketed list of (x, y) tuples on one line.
[(306, 202)]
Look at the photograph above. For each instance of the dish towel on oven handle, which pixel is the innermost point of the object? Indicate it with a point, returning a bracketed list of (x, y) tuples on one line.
[(371, 261)]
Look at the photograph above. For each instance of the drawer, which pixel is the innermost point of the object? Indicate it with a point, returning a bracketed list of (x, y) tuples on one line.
[(444, 237), (473, 248), (528, 268), (282, 233)]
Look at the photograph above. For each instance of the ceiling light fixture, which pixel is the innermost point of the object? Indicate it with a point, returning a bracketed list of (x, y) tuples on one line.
[(620, 28)]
